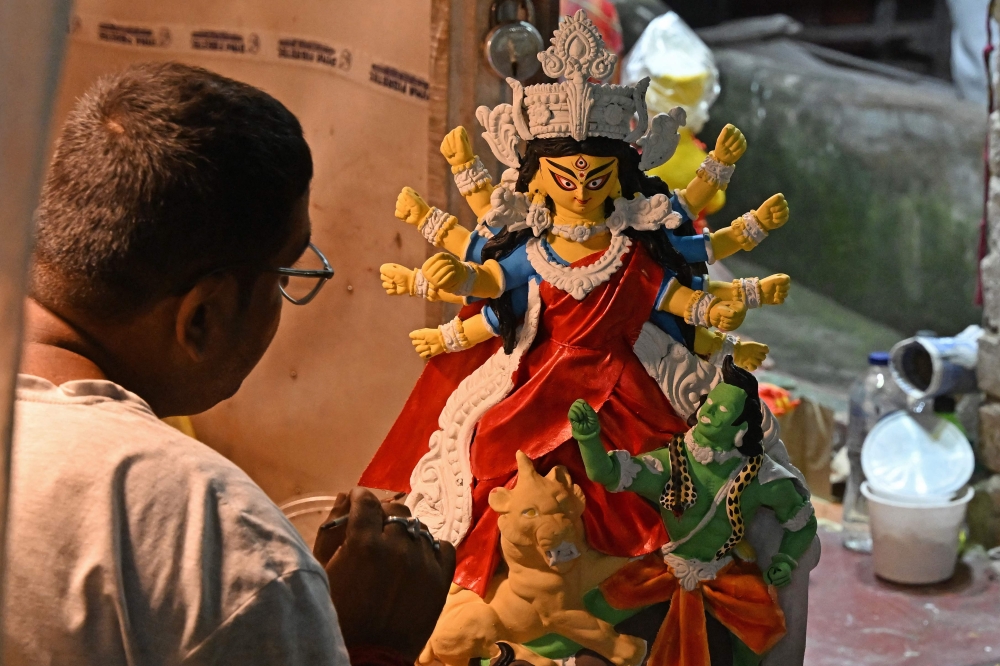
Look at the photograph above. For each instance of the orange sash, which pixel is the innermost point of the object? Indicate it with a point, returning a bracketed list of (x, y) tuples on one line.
[(738, 597)]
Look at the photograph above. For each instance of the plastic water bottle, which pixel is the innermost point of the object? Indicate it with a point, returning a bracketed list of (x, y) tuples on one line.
[(872, 397)]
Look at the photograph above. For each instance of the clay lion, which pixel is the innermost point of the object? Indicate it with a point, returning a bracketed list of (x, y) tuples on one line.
[(550, 568)]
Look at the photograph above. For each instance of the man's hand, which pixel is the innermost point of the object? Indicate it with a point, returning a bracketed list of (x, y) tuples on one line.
[(410, 207), (730, 145), (456, 147), (727, 315), (583, 420), (774, 289), (387, 586), (773, 213)]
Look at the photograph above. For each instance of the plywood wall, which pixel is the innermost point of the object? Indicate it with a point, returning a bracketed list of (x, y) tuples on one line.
[(311, 414)]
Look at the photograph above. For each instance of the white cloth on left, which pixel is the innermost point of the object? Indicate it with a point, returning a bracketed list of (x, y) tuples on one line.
[(130, 543)]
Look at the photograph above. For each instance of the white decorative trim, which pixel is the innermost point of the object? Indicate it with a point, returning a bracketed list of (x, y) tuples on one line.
[(628, 469), (755, 233), (465, 289), (435, 221), (451, 334), (574, 106), (578, 233), (500, 132), (578, 281), (643, 214), (661, 141), (728, 348), (684, 204), (799, 520), (751, 292), (538, 219), (507, 209), (690, 573), (716, 172), (652, 463), (420, 284), (441, 482), (483, 230), (697, 311), (472, 178), (706, 454)]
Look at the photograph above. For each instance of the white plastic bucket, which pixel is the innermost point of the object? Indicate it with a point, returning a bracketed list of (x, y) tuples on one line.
[(915, 543)]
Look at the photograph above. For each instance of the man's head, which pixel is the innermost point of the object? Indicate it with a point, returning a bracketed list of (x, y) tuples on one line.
[(173, 194)]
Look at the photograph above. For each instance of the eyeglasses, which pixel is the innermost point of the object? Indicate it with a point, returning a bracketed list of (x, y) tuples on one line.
[(301, 283)]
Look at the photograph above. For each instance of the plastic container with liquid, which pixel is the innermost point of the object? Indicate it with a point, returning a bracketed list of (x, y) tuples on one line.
[(873, 397)]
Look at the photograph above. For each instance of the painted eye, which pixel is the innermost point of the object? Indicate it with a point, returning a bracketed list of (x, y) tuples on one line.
[(708, 401), (599, 182), (563, 182), (722, 408), (529, 513)]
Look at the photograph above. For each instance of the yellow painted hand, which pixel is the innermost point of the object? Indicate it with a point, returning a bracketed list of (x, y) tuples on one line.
[(428, 342), (774, 289), (727, 315), (410, 207), (456, 147), (730, 145), (396, 280), (749, 355), (445, 271), (773, 213)]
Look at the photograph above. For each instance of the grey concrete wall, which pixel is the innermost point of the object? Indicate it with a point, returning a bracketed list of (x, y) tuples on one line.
[(884, 179)]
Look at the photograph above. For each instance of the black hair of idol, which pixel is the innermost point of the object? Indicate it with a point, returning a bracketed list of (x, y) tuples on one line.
[(632, 180), (752, 415)]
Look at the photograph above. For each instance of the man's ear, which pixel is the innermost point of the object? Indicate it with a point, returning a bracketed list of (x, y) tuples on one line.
[(204, 314)]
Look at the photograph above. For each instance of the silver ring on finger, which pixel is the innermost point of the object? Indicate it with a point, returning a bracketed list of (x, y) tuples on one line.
[(399, 520)]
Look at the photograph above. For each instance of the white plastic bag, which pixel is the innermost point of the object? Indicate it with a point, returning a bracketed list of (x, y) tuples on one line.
[(680, 66)]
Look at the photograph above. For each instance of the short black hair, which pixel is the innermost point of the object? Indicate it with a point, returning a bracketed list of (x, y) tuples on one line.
[(163, 173)]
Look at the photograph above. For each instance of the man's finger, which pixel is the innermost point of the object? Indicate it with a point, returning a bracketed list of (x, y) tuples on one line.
[(392, 508), (366, 515), (330, 539)]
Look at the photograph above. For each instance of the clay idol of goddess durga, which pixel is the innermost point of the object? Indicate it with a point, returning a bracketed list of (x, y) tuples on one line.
[(583, 280)]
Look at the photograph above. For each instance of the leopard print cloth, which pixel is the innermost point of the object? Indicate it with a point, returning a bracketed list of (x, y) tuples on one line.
[(733, 510), (678, 493)]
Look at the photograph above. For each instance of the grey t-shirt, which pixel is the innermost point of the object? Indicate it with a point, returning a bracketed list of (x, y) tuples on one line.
[(130, 543)]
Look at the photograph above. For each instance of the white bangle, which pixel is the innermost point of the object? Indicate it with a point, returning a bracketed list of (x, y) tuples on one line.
[(750, 292), (420, 284), (697, 310), (436, 219), (465, 289), (716, 172), (754, 231), (472, 178), (453, 335), (728, 348)]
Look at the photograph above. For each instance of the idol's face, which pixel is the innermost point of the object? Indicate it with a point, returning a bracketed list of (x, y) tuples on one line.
[(579, 184), (715, 418)]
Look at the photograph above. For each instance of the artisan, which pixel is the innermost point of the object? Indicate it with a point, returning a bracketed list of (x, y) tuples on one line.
[(172, 216)]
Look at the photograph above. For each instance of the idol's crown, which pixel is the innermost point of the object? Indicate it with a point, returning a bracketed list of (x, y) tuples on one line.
[(577, 106)]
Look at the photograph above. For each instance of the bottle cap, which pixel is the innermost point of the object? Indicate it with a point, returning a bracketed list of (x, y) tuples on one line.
[(878, 358)]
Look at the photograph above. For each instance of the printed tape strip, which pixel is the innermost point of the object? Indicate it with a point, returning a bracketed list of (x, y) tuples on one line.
[(343, 61)]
